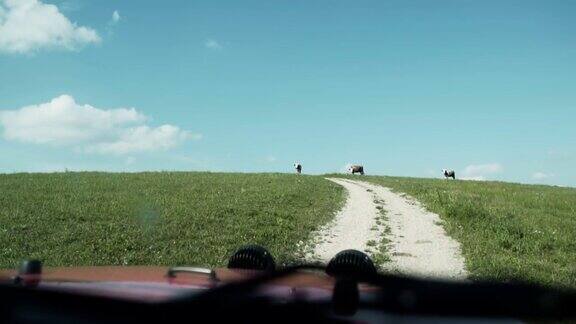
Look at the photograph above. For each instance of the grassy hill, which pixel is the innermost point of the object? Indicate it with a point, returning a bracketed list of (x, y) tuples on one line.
[(167, 218), (507, 231)]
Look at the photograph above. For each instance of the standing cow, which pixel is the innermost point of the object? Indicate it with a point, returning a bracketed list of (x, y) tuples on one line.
[(298, 167), (449, 174), (356, 169)]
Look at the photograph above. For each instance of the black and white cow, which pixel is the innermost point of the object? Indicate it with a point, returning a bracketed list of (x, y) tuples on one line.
[(449, 174), (356, 169), (298, 167)]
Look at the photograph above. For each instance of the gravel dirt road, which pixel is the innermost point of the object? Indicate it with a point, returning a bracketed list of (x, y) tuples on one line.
[(419, 245)]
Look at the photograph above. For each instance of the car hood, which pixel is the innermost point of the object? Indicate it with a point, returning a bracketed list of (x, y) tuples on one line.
[(153, 284)]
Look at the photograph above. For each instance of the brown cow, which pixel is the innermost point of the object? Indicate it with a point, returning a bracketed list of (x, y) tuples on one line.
[(356, 169)]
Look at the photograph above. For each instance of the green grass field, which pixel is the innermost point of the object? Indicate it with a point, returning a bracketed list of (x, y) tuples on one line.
[(163, 218), (507, 231)]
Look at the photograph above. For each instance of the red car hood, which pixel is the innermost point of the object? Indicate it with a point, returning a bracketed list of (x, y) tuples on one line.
[(152, 284)]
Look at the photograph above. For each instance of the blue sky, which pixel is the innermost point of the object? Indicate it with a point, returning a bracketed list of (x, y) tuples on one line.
[(403, 87)]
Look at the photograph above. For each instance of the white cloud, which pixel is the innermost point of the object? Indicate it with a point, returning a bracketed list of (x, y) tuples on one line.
[(141, 139), (63, 122), (213, 44), (541, 175), (115, 17), (270, 159), (481, 172), (29, 25)]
